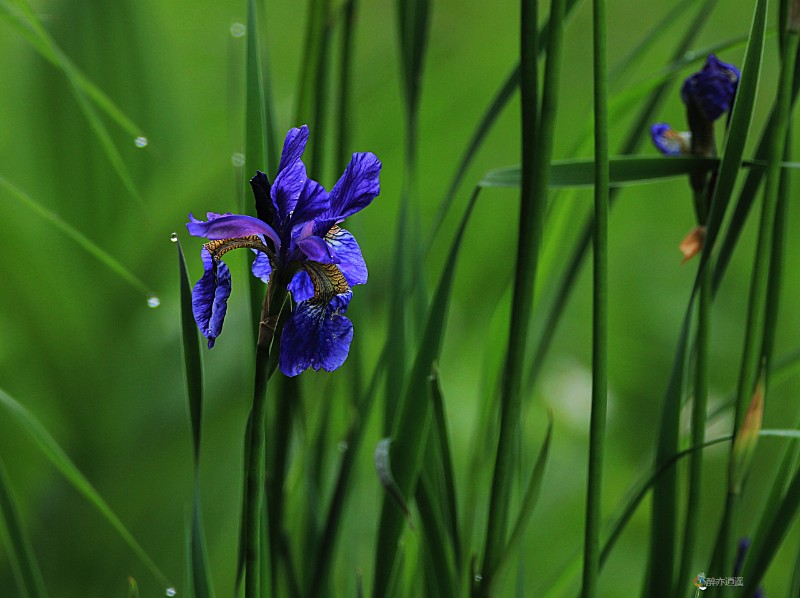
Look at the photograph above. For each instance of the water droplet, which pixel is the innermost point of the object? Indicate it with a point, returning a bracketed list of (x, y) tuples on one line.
[(140, 142), (153, 300), (478, 577), (342, 447), (174, 237), (238, 30), (170, 592), (237, 160)]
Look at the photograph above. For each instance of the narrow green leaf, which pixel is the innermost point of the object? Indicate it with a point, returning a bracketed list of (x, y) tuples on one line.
[(91, 248), (50, 448), (530, 498), (193, 371), (86, 107), (20, 550), (412, 412), (383, 468), (24, 21), (443, 446), (133, 588), (440, 566)]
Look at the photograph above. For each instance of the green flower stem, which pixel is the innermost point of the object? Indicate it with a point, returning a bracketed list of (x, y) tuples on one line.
[(266, 362), (591, 558)]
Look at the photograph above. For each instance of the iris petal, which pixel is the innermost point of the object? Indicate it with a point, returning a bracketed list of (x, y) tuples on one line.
[(262, 267), (669, 141), (317, 336), (317, 250), (301, 286), (286, 191), (354, 190), (351, 262), (293, 146), (231, 226), (210, 297)]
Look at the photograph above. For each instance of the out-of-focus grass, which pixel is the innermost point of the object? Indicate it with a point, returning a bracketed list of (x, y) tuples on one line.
[(103, 371)]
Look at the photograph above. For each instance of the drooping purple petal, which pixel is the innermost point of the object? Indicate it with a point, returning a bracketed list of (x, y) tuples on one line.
[(261, 267), (293, 146), (317, 336), (346, 249), (712, 88), (286, 191), (231, 226), (210, 297), (301, 287), (669, 141), (354, 190)]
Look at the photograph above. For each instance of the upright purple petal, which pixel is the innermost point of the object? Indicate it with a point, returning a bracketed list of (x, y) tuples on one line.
[(286, 191), (317, 250), (293, 146), (354, 190), (346, 249), (231, 226), (210, 297), (317, 336), (313, 201)]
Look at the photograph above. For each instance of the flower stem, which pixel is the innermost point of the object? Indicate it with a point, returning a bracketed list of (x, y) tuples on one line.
[(266, 362)]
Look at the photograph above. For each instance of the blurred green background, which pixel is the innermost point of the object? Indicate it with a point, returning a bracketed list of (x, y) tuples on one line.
[(83, 351)]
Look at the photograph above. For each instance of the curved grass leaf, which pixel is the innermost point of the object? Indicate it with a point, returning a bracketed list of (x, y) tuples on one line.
[(48, 47), (530, 498), (407, 440), (383, 468), (624, 170), (50, 448), (20, 550), (193, 370), (25, 22), (78, 237)]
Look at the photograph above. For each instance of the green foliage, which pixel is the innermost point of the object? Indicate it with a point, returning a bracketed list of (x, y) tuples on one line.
[(452, 385)]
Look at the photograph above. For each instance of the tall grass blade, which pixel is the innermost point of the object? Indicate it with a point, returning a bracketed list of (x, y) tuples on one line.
[(193, 371), (591, 559), (31, 28), (55, 454), (408, 441), (529, 500), (20, 550), (537, 145), (664, 516), (78, 237)]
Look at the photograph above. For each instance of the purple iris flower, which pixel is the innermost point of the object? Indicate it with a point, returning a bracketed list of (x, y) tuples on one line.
[(712, 88), (296, 237), (669, 141)]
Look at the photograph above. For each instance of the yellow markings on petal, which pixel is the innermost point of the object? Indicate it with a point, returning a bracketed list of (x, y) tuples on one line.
[(327, 279), (220, 247)]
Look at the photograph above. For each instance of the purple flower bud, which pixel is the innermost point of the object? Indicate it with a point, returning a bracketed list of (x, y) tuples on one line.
[(712, 89), (669, 141)]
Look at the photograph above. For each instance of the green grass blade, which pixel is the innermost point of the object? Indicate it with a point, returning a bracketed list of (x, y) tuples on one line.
[(86, 107), (591, 566), (25, 22), (54, 453), (498, 103), (446, 461), (20, 550), (408, 443), (78, 237), (529, 499), (193, 370), (537, 146), (441, 574)]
